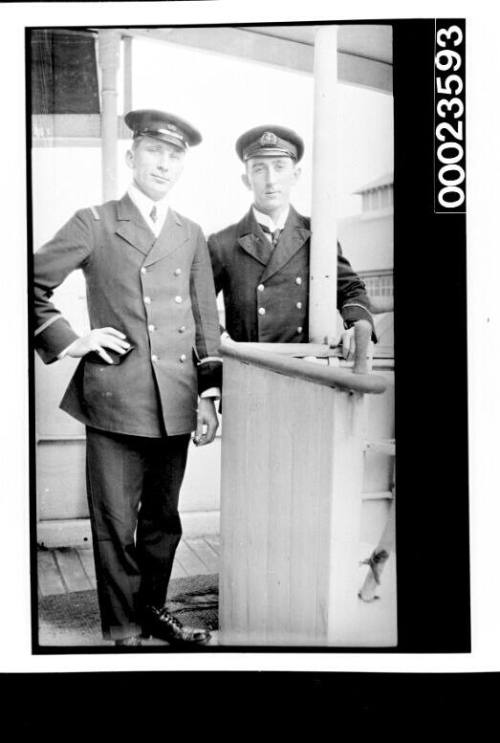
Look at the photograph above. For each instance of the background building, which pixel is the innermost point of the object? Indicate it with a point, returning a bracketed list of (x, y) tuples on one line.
[(367, 238)]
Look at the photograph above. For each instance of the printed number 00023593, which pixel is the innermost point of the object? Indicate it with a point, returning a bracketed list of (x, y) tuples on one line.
[(450, 106)]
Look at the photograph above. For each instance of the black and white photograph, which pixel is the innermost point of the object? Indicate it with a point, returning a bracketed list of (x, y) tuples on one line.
[(293, 503), (246, 276), (260, 327)]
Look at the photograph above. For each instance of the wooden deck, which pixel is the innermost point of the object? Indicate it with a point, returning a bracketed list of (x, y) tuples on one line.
[(70, 569)]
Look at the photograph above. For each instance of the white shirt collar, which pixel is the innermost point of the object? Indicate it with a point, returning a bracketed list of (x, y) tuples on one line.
[(266, 220), (145, 204)]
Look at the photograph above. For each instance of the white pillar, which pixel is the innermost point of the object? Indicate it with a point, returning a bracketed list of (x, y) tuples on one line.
[(323, 261), (127, 73), (109, 62)]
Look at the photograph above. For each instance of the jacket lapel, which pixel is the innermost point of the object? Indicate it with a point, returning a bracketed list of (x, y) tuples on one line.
[(291, 240), (253, 241), (172, 236), (132, 227)]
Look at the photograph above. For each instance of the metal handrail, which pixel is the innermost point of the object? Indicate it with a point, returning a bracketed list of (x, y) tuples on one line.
[(275, 360)]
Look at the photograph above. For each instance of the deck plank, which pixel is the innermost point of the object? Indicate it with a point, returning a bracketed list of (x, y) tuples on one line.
[(87, 559), (190, 560), (206, 554), (178, 570), (213, 540), (72, 570), (49, 578)]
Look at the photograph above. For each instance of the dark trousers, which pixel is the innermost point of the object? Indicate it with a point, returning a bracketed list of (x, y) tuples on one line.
[(133, 487)]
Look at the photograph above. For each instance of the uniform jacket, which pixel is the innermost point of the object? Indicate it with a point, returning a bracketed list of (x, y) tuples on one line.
[(159, 292), (266, 292)]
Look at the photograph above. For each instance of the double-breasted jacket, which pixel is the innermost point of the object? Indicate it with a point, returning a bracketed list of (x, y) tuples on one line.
[(159, 292), (266, 291)]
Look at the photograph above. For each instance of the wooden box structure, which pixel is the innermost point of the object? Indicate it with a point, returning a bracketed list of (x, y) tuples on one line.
[(292, 475)]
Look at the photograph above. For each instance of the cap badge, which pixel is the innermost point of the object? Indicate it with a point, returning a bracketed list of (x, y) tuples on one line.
[(268, 139), (172, 131)]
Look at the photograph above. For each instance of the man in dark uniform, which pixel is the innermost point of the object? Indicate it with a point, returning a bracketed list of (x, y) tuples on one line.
[(261, 264), (152, 350)]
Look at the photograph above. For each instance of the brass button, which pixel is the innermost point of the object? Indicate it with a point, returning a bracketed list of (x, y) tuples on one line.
[(300, 329), (298, 280), (143, 270), (177, 272), (147, 300), (262, 311), (260, 288), (182, 358), (151, 328), (154, 357), (299, 305), (178, 300), (182, 329)]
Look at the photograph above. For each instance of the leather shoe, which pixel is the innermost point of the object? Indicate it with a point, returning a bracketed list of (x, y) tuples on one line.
[(161, 624), (129, 642)]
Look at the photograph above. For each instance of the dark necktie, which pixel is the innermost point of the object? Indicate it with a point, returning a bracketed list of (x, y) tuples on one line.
[(274, 235), (153, 213)]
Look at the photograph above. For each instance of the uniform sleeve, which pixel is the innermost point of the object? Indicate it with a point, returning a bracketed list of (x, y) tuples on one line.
[(206, 318), (217, 267), (217, 270), (67, 251), (352, 299)]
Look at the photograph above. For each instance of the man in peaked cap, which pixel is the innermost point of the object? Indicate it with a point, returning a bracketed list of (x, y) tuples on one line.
[(152, 349), (261, 263)]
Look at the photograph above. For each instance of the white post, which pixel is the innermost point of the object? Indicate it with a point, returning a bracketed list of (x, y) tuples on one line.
[(349, 411), (109, 62), (323, 260), (127, 73)]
